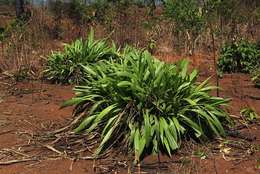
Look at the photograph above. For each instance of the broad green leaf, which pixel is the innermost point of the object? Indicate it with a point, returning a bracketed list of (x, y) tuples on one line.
[(85, 123), (184, 68), (73, 101), (124, 84)]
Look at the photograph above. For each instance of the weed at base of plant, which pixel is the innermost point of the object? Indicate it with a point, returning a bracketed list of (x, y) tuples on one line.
[(200, 154), (249, 114), (255, 77)]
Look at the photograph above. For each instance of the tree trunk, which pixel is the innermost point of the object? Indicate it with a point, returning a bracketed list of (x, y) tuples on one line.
[(152, 7), (189, 44), (19, 8), (214, 59)]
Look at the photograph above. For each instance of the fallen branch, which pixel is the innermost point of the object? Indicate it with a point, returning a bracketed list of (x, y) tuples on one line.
[(253, 97), (70, 125), (237, 134), (16, 152), (53, 149), (6, 132), (17, 161)]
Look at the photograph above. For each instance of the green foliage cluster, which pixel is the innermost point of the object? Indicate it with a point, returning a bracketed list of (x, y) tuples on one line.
[(187, 14), (16, 25), (249, 114), (74, 9), (146, 105), (78, 10), (66, 66), (255, 76), (221, 17), (239, 56), (96, 11)]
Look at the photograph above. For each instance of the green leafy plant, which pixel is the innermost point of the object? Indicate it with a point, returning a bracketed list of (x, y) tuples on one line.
[(200, 154), (249, 114), (146, 105), (255, 76), (240, 56), (186, 14), (66, 66)]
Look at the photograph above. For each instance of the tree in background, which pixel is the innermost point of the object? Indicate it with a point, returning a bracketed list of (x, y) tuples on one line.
[(152, 6), (211, 14), (19, 8), (230, 14), (188, 18)]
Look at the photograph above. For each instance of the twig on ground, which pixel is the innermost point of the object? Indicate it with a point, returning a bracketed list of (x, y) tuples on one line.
[(253, 97), (215, 166), (238, 134), (16, 152), (53, 149), (70, 125), (71, 165), (17, 161), (6, 132)]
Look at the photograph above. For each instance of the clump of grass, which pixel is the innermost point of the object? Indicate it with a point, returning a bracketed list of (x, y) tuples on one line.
[(146, 105), (66, 66)]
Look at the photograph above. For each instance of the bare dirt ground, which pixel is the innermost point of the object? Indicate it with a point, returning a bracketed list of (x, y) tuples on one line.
[(31, 107)]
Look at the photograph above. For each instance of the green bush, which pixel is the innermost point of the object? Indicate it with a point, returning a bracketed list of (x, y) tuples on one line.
[(147, 105), (240, 56), (249, 114), (256, 77), (187, 14), (80, 12), (66, 66)]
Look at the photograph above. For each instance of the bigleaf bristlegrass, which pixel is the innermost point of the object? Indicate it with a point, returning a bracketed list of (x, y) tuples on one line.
[(147, 105), (66, 66)]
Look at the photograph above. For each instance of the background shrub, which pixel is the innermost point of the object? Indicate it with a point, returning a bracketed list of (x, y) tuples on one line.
[(66, 66), (240, 56), (256, 77)]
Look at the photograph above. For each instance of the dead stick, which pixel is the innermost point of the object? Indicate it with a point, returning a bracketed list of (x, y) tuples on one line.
[(6, 132), (215, 166), (159, 162), (17, 161), (53, 149), (253, 97), (71, 124), (139, 167), (71, 165), (129, 164), (17, 152), (215, 63)]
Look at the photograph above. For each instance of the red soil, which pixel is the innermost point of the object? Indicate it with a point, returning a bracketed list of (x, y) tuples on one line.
[(33, 106)]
